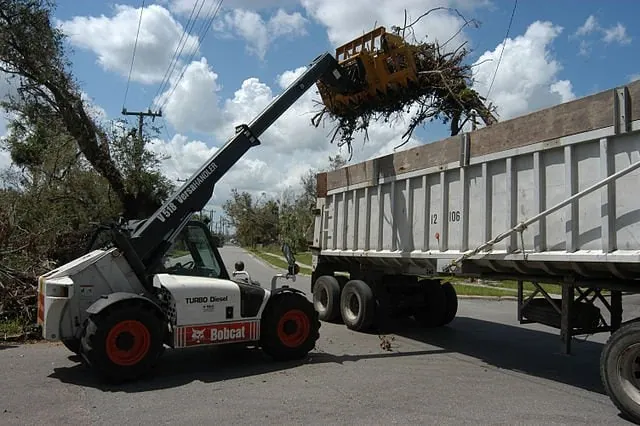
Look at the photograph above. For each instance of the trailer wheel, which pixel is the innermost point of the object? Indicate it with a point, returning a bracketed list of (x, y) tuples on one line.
[(290, 327), (434, 311), (357, 305), (620, 369), (123, 342), (451, 302), (326, 298)]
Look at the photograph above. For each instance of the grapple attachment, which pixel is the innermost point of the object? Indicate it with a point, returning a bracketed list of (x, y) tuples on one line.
[(379, 64)]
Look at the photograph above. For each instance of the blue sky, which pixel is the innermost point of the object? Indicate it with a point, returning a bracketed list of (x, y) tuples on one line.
[(548, 64), (607, 65)]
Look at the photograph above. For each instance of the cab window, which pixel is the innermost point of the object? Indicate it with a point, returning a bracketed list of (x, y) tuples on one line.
[(191, 254)]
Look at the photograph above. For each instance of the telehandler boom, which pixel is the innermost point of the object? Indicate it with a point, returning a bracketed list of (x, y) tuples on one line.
[(163, 282)]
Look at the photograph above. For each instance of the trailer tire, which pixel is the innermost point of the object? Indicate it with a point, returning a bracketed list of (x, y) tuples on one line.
[(433, 312), (451, 303), (290, 327), (124, 341), (326, 298), (617, 361), (357, 305)]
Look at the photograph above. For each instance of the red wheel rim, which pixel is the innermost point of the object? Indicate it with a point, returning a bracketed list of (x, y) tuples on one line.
[(293, 328), (128, 342)]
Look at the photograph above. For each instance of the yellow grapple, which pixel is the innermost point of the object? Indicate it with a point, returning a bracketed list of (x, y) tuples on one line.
[(378, 63)]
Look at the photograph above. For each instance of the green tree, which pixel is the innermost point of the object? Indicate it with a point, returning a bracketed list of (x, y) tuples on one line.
[(32, 52)]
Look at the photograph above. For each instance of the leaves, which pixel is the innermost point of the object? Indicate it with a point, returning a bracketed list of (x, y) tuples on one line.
[(286, 218), (69, 169)]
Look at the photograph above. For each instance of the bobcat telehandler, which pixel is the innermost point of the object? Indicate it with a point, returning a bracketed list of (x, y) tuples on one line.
[(161, 281)]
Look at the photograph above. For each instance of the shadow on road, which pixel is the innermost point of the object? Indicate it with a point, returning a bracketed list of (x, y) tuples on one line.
[(513, 348), (7, 346), (210, 365), (532, 352)]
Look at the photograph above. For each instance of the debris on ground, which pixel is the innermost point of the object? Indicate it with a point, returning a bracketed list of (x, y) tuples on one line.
[(385, 342)]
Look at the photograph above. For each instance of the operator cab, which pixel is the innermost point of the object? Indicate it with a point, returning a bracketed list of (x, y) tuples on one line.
[(194, 252)]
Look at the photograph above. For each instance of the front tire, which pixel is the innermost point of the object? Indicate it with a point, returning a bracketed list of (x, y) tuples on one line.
[(620, 369), (326, 298), (123, 342), (290, 327)]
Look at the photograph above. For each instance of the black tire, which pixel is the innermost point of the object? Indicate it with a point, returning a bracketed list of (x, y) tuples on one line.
[(617, 361), (357, 305), (137, 326), (72, 344), (326, 298), (434, 310), (290, 327), (451, 302)]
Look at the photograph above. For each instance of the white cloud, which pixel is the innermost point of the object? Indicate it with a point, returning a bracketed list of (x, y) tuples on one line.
[(260, 33), (617, 33), (614, 34), (112, 40), (527, 78), (634, 77), (589, 26), (6, 88), (346, 20), (193, 104), (186, 7)]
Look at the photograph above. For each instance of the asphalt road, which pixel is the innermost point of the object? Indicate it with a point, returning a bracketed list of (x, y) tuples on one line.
[(482, 369)]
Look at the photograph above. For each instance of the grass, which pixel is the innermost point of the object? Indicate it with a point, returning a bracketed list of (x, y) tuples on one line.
[(303, 257), (10, 328), (527, 286), (472, 290), (276, 261), (490, 288)]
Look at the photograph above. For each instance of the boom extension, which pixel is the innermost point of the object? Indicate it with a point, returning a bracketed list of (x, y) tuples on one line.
[(150, 241)]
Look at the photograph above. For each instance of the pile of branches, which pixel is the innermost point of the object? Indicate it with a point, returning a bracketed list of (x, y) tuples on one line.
[(18, 295), (442, 92)]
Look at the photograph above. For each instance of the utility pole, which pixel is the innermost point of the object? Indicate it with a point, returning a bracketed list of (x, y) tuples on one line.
[(140, 144)]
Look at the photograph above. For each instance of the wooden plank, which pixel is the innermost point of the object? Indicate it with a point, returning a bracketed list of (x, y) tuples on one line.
[(321, 185), (634, 94), (577, 116), (433, 154), (581, 115), (351, 175)]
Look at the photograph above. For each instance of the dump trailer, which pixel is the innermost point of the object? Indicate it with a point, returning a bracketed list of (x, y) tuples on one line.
[(548, 197)]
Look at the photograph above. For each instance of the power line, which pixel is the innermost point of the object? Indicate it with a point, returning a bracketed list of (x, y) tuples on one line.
[(133, 57), (504, 42), (204, 29), (178, 50)]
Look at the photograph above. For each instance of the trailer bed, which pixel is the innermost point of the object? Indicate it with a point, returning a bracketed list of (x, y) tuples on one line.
[(422, 208)]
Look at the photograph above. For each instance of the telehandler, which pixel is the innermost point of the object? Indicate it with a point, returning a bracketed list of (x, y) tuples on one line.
[(161, 281)]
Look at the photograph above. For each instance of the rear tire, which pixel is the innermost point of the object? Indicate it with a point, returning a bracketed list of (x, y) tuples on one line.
[(326, 298), (123, 342), (434, 310), (357, 305), (72, 344), (451, 302), (620, 367), (290, 327)]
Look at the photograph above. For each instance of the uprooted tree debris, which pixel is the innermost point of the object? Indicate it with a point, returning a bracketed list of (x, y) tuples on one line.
[(418, 78), (69, 168)]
